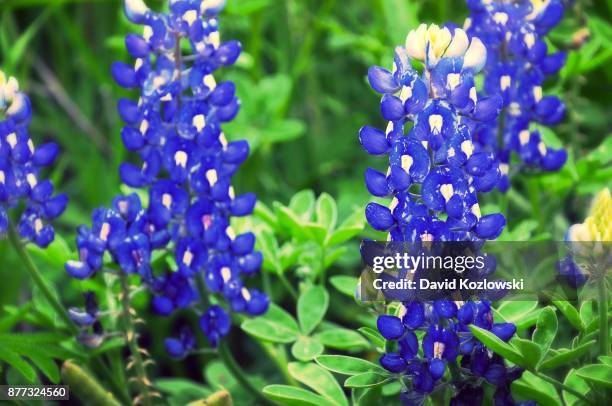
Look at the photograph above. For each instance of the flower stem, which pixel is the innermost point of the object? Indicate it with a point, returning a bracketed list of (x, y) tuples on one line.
[(131, 339), (231, 364), (226, 355), (563, 387), (604, 328), (39, 281)]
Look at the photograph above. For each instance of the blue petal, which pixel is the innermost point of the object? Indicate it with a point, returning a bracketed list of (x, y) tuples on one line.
[(373, 140), (505, 331), (78, 269), (437, 368), (488, 108), (390, 327), (376, 182), (391, 108), (45, 154), (382, 80), (136, 46), (379, 217), (124, 75), (489, 227), (393, 362)]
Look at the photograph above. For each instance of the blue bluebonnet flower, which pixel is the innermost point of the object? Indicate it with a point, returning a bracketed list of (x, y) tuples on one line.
[(186, 163), (436, 170), (20, 166), (517, 66)]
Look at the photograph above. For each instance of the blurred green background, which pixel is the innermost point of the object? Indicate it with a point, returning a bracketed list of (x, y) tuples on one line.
[(302, 82)]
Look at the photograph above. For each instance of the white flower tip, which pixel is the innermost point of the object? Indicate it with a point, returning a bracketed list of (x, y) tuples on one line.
[(134, 9), (458, 45), (212, 6), (475, 56)]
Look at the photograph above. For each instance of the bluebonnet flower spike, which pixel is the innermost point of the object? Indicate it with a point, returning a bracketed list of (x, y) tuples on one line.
[(517, 67), (439, 153), (20, 165), (186, 164)]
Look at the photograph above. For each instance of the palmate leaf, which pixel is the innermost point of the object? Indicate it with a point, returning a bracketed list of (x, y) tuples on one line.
[(276, 326), (565, 357), (343, 339)]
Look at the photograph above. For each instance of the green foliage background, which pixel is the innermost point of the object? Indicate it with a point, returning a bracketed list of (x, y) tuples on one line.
[(302, 83)]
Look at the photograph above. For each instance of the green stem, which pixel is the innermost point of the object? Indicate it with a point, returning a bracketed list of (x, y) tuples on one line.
[(288, 286), (226, 356), (563, 387), (604, 335), (132, 342), (39, 280), (230, 363)]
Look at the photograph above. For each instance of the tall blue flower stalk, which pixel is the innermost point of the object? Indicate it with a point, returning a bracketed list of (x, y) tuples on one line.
[(435, 173), (517, 66), (185, 163), (21, 186)]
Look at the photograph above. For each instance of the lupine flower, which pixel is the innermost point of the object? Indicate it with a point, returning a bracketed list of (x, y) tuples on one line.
[(186, 163), (20, 165), (518, 64), (432, 117)]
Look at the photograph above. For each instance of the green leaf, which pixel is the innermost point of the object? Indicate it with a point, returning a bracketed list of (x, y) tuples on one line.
[(366, 380), (530, 351), (276, 326), (546, 329), (181, 386), (346, 365), (293, 396), (349, 228), (586, 312), (606, 359), (567, 356), (513, 311), (327, 211), (343, 339), (344, 284), (598, 374), (306, 348), (497, 345), (533, 388), (302, 204), (284, 130), (316, 232), (570, 313), (46, 365), (266, 242), (18, 363), (374, 336), (318, 379), (575, 382), (311, 307)]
